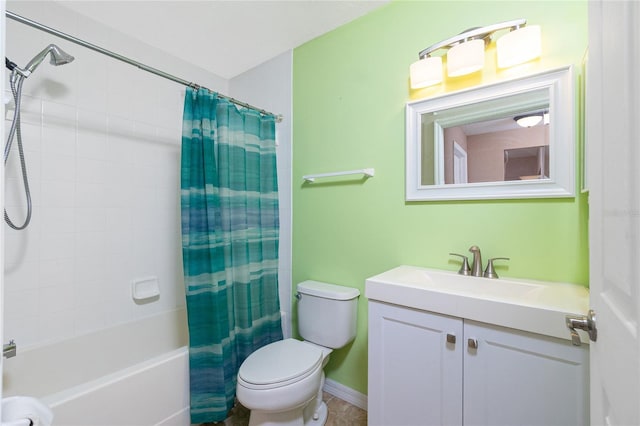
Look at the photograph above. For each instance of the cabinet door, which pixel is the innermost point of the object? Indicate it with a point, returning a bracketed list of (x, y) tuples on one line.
[(415, 376), (519, 378)]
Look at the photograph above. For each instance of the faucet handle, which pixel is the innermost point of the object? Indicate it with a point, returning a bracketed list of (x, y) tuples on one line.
[(490, 272), (465, 269)]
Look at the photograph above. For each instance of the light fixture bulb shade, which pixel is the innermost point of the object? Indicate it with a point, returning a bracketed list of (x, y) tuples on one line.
[(426, 72), (528, 120), (519, 46), (465, 58)]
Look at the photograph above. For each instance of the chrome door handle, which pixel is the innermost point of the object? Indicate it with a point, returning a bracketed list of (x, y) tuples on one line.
[(586, 323)]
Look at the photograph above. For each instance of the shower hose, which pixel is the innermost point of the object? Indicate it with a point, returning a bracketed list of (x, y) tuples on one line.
[(16, 81)]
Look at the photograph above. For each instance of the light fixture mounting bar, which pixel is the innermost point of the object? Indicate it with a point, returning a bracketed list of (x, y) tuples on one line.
[(474, 33)]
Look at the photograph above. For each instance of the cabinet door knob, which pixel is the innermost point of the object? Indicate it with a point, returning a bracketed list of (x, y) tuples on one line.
[(473, 343), (451, 338)]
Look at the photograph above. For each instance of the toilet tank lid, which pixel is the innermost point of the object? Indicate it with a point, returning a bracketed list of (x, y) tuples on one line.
[(328, 291)]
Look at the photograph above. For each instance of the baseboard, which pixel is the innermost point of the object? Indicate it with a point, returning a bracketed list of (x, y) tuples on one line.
[(353, 397)]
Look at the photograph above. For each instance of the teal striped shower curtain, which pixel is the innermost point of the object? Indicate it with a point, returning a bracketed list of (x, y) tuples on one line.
[(229, 198)]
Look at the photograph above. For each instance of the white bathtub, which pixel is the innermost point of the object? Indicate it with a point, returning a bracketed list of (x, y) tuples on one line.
[(135, 374)]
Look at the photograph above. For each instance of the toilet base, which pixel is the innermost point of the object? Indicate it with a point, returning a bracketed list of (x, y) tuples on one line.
[(323, 412), (285, 418), (289, 418)]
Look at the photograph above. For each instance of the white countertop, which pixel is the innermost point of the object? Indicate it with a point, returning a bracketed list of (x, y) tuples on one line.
[(534, 306)]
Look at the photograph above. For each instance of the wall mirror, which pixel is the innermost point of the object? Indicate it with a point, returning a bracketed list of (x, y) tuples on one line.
[(512, 139)]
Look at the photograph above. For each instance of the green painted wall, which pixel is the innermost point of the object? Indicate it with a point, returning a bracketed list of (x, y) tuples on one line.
[(350, 88)]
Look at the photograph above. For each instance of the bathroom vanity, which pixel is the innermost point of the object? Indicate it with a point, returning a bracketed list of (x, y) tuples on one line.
[(446, 349)]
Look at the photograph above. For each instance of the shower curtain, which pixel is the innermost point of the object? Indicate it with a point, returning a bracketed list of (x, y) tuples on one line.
[(230, 226)]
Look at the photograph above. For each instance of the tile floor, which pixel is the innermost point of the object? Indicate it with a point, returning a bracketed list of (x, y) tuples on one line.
[(341, 413)]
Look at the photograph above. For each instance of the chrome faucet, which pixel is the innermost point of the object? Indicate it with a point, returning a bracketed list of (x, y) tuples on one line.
[(475, 270), (476, 264)]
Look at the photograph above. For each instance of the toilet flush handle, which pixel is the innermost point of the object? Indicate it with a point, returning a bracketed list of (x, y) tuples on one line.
[(298, 296)]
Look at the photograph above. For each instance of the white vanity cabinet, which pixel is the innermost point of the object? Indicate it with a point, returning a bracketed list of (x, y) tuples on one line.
[(408, 350), (427, 368)]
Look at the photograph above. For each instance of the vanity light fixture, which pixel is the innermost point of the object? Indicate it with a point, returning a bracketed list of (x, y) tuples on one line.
[(517, 47), (426, 72), (465, 58), (465, 51)]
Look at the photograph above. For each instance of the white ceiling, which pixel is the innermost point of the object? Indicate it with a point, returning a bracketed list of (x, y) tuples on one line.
[(226, 37)]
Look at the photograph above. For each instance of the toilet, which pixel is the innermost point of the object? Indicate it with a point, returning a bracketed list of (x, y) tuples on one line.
[(281, 383)]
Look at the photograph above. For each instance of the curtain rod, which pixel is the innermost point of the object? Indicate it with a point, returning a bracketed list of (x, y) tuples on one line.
[(129, 61)]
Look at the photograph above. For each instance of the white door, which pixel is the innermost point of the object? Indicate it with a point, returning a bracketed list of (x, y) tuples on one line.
[(459, 164), (613, 141)]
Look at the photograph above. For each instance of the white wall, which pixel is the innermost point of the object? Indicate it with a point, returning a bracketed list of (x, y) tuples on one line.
[(269, 86), (102, 142)]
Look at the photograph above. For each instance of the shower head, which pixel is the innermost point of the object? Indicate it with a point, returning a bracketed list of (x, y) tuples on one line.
[(58, 57)]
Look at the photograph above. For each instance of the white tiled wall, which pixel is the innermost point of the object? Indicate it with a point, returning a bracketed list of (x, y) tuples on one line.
[(102, 143)]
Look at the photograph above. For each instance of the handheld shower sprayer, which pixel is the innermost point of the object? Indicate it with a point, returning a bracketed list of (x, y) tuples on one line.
[(16, 79), (58, 57)]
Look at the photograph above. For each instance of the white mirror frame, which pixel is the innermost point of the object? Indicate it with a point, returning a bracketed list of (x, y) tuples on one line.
[(561, 183)]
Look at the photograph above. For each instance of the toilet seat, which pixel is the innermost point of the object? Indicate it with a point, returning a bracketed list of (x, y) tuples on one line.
[(280, 364)]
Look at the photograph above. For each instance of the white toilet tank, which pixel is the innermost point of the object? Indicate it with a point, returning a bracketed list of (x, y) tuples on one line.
[(327, 313)]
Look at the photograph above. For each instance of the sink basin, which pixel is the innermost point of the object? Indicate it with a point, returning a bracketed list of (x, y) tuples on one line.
[(25, 411), (535, 306), (465, 285)]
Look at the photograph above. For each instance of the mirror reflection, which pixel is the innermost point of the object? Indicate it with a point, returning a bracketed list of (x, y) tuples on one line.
[(512, 146), (512, 139)]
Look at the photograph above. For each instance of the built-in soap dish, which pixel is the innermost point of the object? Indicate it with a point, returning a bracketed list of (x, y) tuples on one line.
[(145, 290)]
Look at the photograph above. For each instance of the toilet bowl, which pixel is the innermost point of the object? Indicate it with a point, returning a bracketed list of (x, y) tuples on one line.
[(279, 380), (281, 383)]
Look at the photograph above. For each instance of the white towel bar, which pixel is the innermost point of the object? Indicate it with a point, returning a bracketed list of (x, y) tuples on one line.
[(367, 172)]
